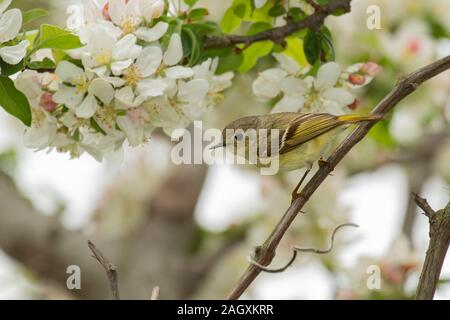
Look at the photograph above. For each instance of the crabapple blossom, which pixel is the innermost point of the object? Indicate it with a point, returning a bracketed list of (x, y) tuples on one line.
[(296, 90), (10, 24), (122, 84)]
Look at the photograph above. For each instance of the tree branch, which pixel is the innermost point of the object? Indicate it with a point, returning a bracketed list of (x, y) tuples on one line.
[(404, 87), (111, 270), (437, 248), (279, 34)]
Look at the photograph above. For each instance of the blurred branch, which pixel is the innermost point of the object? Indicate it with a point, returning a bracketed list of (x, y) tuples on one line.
[(296, 250), (403, 88), (279, 34), (111, 270), (437, 248), (419, 168)]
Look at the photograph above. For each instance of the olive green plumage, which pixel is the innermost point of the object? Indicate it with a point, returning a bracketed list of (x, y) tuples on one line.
[(302, 138)]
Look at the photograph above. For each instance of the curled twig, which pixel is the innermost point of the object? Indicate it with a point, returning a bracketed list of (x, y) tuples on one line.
[(111, 270), (296, 250)]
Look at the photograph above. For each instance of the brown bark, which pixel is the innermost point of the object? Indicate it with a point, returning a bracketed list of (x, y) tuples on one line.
[(437, 249)]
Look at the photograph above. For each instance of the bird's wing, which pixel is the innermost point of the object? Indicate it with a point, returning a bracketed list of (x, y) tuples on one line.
[(307, 127)]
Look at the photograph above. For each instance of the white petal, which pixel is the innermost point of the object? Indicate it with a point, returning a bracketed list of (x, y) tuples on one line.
[(117, 10), (102, 90), (135, 134), (287, 63), (116, 82), (68, 96), (174, 52), (87, 108), (151, 87), (10, 24), (293, 86), (193, 91), (118, 67), (327, 76), (4, 5), (67, 71), (127, 97), (152, 34), (149, 61), (266, 85), (339, 95), (14, 54), (126, 48), (179, 72), (289, 104)]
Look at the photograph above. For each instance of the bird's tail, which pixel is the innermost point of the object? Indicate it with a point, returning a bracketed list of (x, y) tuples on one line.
[(355, 118)]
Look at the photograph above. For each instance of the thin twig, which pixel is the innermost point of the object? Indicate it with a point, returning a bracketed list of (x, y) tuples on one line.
[(111, 270), (423, 204), (313, 4), (296, 250), (437, 250), (155, 293), (279, 34), (403, 88)]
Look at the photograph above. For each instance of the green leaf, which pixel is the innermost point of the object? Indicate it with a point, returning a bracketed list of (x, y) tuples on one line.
[(230, 22), (240, 10), (258, 27), (32, 15), (294, 49), (190, 3), (8, 69), (312, 47), (14, 101), (192, 45), (253, 53), (45, 64), (54, 37), (327, 46), (230, 63), (277, 11), (198, 14)]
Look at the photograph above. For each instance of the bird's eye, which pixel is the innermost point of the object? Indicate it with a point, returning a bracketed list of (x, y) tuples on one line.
[(238, 136)]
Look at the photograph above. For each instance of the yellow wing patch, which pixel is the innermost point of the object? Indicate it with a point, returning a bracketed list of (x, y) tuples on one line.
[(307, 127)]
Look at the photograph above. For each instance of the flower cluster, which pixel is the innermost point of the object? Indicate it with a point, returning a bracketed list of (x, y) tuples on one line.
[(11, 52), (126, 80), (295, 89)]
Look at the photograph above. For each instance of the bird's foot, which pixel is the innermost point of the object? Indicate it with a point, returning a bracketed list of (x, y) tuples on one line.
[(325, 164)]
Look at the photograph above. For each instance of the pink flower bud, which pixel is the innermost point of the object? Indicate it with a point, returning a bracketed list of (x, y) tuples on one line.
[(105, 12), (47, 103), (356, 79), (414, 46), (354, 105), (371, 69), (158, 8)]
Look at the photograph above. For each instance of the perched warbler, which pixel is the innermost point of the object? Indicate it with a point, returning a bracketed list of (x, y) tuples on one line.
[(297, 139)]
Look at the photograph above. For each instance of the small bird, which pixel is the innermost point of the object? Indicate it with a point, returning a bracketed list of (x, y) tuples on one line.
[(301, 139)]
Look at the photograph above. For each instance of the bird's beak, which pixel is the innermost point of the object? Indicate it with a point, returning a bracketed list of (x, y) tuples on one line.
[(219, 145)]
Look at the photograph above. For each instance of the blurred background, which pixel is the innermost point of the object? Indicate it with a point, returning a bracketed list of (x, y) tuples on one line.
[(188, 229)]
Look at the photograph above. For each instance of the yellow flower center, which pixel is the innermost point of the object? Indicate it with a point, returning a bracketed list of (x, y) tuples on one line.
[(132, 76), (104, 58), (107, 116), (81, 84), (37, 117), (128, 25)]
